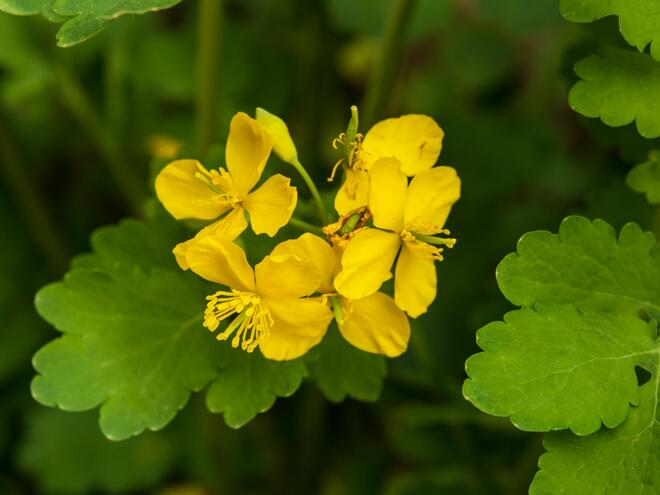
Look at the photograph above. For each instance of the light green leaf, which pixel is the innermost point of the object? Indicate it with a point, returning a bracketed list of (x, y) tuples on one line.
[(556, 367), (25, 7), (133, 340), (645, 178), (249, 384), (82, 18), (90, 17), (341, 370), (609, 462), (66, 453), (619, 86), (638, 19), (585, 265), (570, 358)]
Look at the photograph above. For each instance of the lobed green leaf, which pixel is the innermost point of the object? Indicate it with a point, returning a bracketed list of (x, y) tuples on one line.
[(340, 370), (638, 19), (610, 462), (82, 18), (645, 178), (619, 87)]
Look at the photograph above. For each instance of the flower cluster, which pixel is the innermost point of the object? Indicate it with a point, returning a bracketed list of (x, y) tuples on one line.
[(392, 207)]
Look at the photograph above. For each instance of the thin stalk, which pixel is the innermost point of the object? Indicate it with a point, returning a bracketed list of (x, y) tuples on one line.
[(32, 209), (320, 208), (115, 73), (381, 79), (206, 104), (305, 226), (80, 106)]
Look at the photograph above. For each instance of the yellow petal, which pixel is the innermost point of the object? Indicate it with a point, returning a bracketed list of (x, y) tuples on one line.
[(282, 143), (375, 324), (387, 194), (430, 197), (248, 149), (185, 196), (286, 276), (366, 263), (299, 324), (228, 227), (222, 262), (353, 193), (311, 247), (414, 140), (415, 279), (271, 206)]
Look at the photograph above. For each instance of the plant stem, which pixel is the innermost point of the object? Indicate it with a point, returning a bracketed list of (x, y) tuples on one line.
[(323, 216), (78, 103), (307, 227), (381, 79), (208, 33), (33, 210)]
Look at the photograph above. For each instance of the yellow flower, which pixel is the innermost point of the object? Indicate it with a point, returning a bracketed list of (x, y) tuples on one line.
[(188, 190), (373, 323), (414, 140), (406, 216), (268, 305)]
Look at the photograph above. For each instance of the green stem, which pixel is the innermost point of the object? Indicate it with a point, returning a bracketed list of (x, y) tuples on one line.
[(78, 103), (115, 72), (34, 212), (323, 216), (381, 79), (206, 105), (307, 227)]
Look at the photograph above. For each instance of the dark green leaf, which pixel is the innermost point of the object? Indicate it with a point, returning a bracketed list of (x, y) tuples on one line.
[(645, 178), (249, 385), (341, 370)]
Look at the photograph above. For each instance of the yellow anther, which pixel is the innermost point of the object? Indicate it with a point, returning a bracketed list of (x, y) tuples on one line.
[(252, 318)]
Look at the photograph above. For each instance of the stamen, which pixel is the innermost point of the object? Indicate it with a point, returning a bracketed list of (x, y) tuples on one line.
[(426, 245), (251, 324), (334, 169)]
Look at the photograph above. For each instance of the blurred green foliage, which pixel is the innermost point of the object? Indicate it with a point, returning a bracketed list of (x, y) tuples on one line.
[(495, 75)]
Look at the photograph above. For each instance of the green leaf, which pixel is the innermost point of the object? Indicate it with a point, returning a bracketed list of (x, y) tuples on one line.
[(570, 357), (90, 17), (95, 464), (645, 178), (609, 462), (133, 340), (25, 7), (556, 367), (619, 86), (584, 265), (82, 19), (249, 384), (341, 370), (638, 19)]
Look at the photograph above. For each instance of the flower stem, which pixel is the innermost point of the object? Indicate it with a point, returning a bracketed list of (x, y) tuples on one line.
[(34, 212), (78, 103), (323, 216), (209, 23), (382, 74), (306, 226)]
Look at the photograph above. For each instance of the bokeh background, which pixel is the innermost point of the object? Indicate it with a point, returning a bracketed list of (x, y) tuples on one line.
[(75, 122)]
